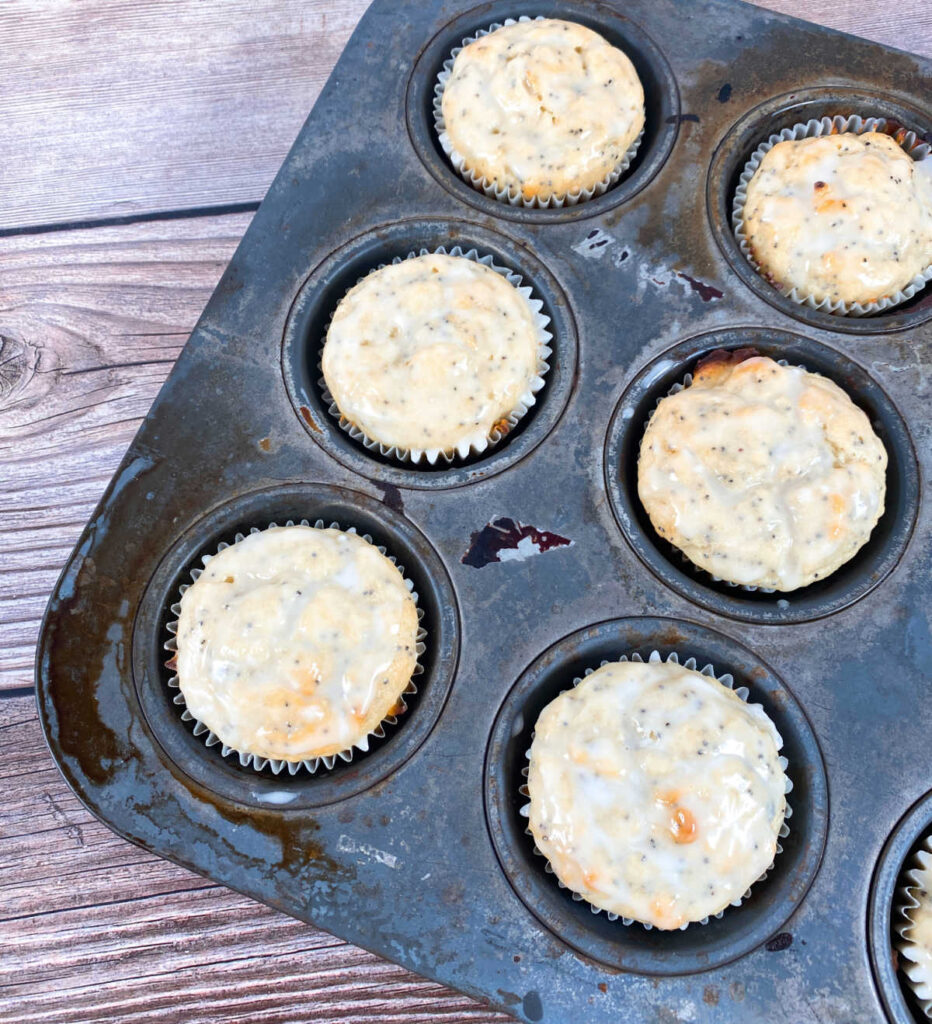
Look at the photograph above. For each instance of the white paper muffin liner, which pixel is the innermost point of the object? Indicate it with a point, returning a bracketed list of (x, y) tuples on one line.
[(464, 449), (512, 195), (725, 679), (916, 877), (917, 149), (311, 765)]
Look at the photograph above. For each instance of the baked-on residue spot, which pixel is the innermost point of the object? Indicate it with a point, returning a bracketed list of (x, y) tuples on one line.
[(505, 539), (543, 108), (763, 475), (656, 792), (842, 217), (432, 353), (296, 642)]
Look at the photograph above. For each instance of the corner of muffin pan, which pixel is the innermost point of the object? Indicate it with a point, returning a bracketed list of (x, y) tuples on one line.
[(848, 584), (224, 776), (633, 948), (903, 842), (661, 101), (313, 307), (733, 153)]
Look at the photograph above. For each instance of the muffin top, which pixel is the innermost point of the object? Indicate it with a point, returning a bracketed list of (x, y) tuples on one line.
[(656, 792), (761, 474), (917, 933), (432, 353), (543, 107), (840, 217), (296, 642)]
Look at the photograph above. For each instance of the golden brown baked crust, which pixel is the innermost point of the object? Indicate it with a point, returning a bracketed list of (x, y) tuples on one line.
[(845, 218), (763, 475), (542, 108)]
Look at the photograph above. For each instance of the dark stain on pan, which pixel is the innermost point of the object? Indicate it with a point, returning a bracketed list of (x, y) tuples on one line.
[(505, 534), (706, 292), (779, 942), (391, 496), (724, 94), (532, 1006)]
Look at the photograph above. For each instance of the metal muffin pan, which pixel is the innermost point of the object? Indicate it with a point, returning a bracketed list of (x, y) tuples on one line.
[(534, 560)]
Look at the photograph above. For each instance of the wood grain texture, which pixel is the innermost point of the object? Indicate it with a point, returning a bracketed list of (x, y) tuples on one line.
[(130, 107), (906, 25), (95, 929), (116, 107), (127, 107), (90, 324)]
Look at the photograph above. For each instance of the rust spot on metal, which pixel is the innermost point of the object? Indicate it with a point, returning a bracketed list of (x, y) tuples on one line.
[(603, 987), (266, 444), (778, 697), (308, 418), (710, 995), (505, 539), (670, 636)]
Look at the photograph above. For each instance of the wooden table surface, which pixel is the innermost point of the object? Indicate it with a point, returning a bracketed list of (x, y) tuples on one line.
[(137, 138)]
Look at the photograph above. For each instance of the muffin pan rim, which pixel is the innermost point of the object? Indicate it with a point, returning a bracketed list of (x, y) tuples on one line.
[(205, 765), (418, 102), (756, 125), (889, 866), (321, 290), (539, 892), (674, 570)]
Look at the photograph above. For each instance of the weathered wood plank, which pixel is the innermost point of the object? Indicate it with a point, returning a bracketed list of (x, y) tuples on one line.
[(117, 107), (907, 25), (126, 107), (90, 324), (97, 930)]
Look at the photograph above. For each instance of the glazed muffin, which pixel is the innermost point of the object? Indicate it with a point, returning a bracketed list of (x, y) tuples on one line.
[(542, 108), (296, 642), (433, 354), (763, 475), (656, 793), (915, 930), (845, 218)]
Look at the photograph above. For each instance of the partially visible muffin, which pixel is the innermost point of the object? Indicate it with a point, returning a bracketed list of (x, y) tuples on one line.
[(915, 930), (296, 642), (845, 218), (656, 793), (542, 108), (432, 353), (763, 475)]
